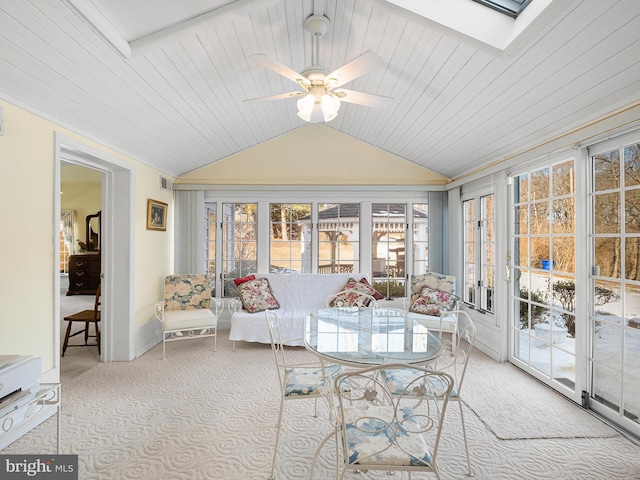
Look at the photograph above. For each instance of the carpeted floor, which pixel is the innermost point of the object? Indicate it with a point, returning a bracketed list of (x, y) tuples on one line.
[(205, 415)]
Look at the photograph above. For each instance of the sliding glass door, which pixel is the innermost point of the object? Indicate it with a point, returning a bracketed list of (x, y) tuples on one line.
[(615, 282), (574, 271), (543, 326)]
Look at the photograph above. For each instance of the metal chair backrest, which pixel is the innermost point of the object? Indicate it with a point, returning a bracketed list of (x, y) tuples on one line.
[(386, 430)]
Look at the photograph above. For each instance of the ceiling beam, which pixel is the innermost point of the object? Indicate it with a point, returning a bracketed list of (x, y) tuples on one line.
[(103, 26)]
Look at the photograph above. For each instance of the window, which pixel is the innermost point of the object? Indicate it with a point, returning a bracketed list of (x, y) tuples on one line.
[(420, 239), (282, 234), (239, 244), (389, 247), (210, 212), (338, 237), (479, 252), (287, 243)]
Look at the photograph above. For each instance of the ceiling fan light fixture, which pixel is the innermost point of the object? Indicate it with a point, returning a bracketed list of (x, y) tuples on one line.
[(305, 107), (330, 106)]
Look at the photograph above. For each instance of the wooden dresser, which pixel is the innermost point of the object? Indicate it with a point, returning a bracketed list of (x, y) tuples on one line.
[(84, 274)]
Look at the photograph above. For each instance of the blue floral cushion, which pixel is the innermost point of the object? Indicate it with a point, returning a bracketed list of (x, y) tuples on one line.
[(397, 379), (303, 381), (376, 435)]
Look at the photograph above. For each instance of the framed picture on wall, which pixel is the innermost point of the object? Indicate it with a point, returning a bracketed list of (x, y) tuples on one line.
[(156, 215)]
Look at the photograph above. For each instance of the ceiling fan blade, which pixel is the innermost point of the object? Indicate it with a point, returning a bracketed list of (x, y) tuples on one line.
[(360, 98), (356, 67), (280, 68), (280, 96)]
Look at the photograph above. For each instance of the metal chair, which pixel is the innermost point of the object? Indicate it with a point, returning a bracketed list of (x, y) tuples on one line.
[(454, 362), (383, 429), (186, 311), (87, 317), (297, 381)]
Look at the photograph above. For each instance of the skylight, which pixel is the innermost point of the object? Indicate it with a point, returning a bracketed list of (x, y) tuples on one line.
[(493, 25), (508, 7)]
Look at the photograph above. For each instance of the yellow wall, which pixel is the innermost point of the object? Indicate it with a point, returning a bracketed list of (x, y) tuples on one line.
[(28, 231), (313, 155)]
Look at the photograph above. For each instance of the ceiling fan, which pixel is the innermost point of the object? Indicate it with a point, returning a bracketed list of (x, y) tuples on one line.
[(321, 93)]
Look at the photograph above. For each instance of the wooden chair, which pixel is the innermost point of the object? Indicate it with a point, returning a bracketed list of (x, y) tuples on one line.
[(87, 317)]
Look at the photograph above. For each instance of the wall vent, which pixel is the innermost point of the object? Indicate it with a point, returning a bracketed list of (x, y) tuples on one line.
[(165, 183)]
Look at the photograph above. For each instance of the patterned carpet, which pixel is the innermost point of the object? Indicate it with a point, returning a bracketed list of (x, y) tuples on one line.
[(205, 415)]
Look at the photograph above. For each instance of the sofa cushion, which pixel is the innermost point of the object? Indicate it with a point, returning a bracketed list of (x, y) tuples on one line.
[(376, 294), (239, 281), (256, 296), (433, 302), (349, 295)]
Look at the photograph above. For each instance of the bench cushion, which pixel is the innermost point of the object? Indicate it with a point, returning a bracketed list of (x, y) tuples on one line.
[(189, 319)]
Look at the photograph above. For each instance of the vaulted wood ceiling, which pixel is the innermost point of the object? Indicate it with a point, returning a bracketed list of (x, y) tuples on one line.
[(166, 86)]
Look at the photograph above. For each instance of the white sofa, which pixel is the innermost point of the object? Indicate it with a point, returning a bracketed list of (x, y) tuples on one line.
[(298, 295)]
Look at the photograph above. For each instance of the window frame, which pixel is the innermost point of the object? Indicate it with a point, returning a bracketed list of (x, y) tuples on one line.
[(364, 195), (480, 299)]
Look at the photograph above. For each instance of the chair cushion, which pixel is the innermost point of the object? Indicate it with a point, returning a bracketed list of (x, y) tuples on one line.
[(188, 319), (446, 323), (397, 378), (304, 381), (433, 302), (256, 296), (375, 440)]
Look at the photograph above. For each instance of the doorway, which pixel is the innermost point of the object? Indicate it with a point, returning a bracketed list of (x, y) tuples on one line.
[(116, 249), (544, 328), (80, 266)]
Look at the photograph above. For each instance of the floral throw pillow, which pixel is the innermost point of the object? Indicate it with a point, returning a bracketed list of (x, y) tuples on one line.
[(376, 294), (433, 302), (351, 295), (436, 281), (256, 296)]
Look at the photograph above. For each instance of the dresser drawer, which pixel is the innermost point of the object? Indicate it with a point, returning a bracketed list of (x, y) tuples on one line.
[(84, 274)]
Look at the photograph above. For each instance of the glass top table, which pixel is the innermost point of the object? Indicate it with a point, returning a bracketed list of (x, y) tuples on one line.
[(359, 336)]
